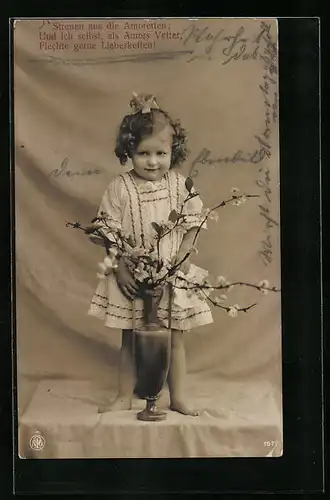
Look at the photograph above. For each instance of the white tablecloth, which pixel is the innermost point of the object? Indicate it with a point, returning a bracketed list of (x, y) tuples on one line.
[(239, 420)]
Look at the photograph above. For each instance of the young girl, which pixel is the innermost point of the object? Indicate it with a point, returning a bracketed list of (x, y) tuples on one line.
[(148, 193)]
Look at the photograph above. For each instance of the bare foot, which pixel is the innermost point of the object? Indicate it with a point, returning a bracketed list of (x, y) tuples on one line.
[(119, 404), (181, 407)]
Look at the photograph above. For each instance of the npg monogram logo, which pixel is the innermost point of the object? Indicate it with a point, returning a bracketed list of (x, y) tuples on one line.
[(37, 442)]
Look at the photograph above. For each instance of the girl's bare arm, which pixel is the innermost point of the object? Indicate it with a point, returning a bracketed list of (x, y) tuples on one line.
[(185, 247)]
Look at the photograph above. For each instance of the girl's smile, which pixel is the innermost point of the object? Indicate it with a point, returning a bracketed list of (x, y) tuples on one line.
[(152, 158)]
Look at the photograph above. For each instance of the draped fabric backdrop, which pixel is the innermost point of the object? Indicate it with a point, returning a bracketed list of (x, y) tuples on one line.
[(67, 108)]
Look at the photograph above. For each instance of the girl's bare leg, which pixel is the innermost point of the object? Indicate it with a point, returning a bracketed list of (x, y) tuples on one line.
[(176, 376), (126, 376)]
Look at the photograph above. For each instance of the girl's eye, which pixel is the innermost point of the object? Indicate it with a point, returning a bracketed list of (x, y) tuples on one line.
[(146, 153)]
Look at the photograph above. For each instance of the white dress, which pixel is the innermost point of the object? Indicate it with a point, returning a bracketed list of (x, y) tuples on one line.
[(132, 208)]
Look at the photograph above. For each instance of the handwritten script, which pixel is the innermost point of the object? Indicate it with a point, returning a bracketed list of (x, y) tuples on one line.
[(268, 89), (65, 171), (268, 85), (204, 157), (266, 249), (267, 54), (232, 46)]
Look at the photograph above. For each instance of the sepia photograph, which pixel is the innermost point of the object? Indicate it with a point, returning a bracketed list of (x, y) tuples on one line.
[(147, 238)]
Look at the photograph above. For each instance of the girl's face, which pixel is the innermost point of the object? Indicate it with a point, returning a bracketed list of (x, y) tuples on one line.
[(152, 158)]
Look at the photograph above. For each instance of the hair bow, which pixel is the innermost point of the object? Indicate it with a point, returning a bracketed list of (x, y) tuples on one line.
[(143, 103)]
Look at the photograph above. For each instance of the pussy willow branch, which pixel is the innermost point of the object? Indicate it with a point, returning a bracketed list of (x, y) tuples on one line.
[(76, 225), (171, 271), (177, 223), (227, 308), (224, 287), (179, 219), (158, 253), (119, 239), (222, 204), (98, 232)]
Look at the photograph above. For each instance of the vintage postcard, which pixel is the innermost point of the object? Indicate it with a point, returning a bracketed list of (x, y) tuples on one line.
[(147, 226)]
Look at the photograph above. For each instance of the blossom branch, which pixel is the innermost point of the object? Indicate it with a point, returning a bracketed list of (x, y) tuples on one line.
[(119, 239), (207, 286), (229, 309), (222, 204), (179, 217), (151, 270)]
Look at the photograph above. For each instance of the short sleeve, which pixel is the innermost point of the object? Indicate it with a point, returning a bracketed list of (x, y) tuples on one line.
[(110, 207), (192, 209)]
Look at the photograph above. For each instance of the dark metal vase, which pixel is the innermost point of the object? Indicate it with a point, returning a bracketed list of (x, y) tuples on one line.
[(152, 357)]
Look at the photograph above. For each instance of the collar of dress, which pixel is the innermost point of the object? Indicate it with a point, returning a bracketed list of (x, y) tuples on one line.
[(149, 185)]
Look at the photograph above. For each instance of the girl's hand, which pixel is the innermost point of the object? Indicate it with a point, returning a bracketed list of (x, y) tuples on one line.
[(126, 281)]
